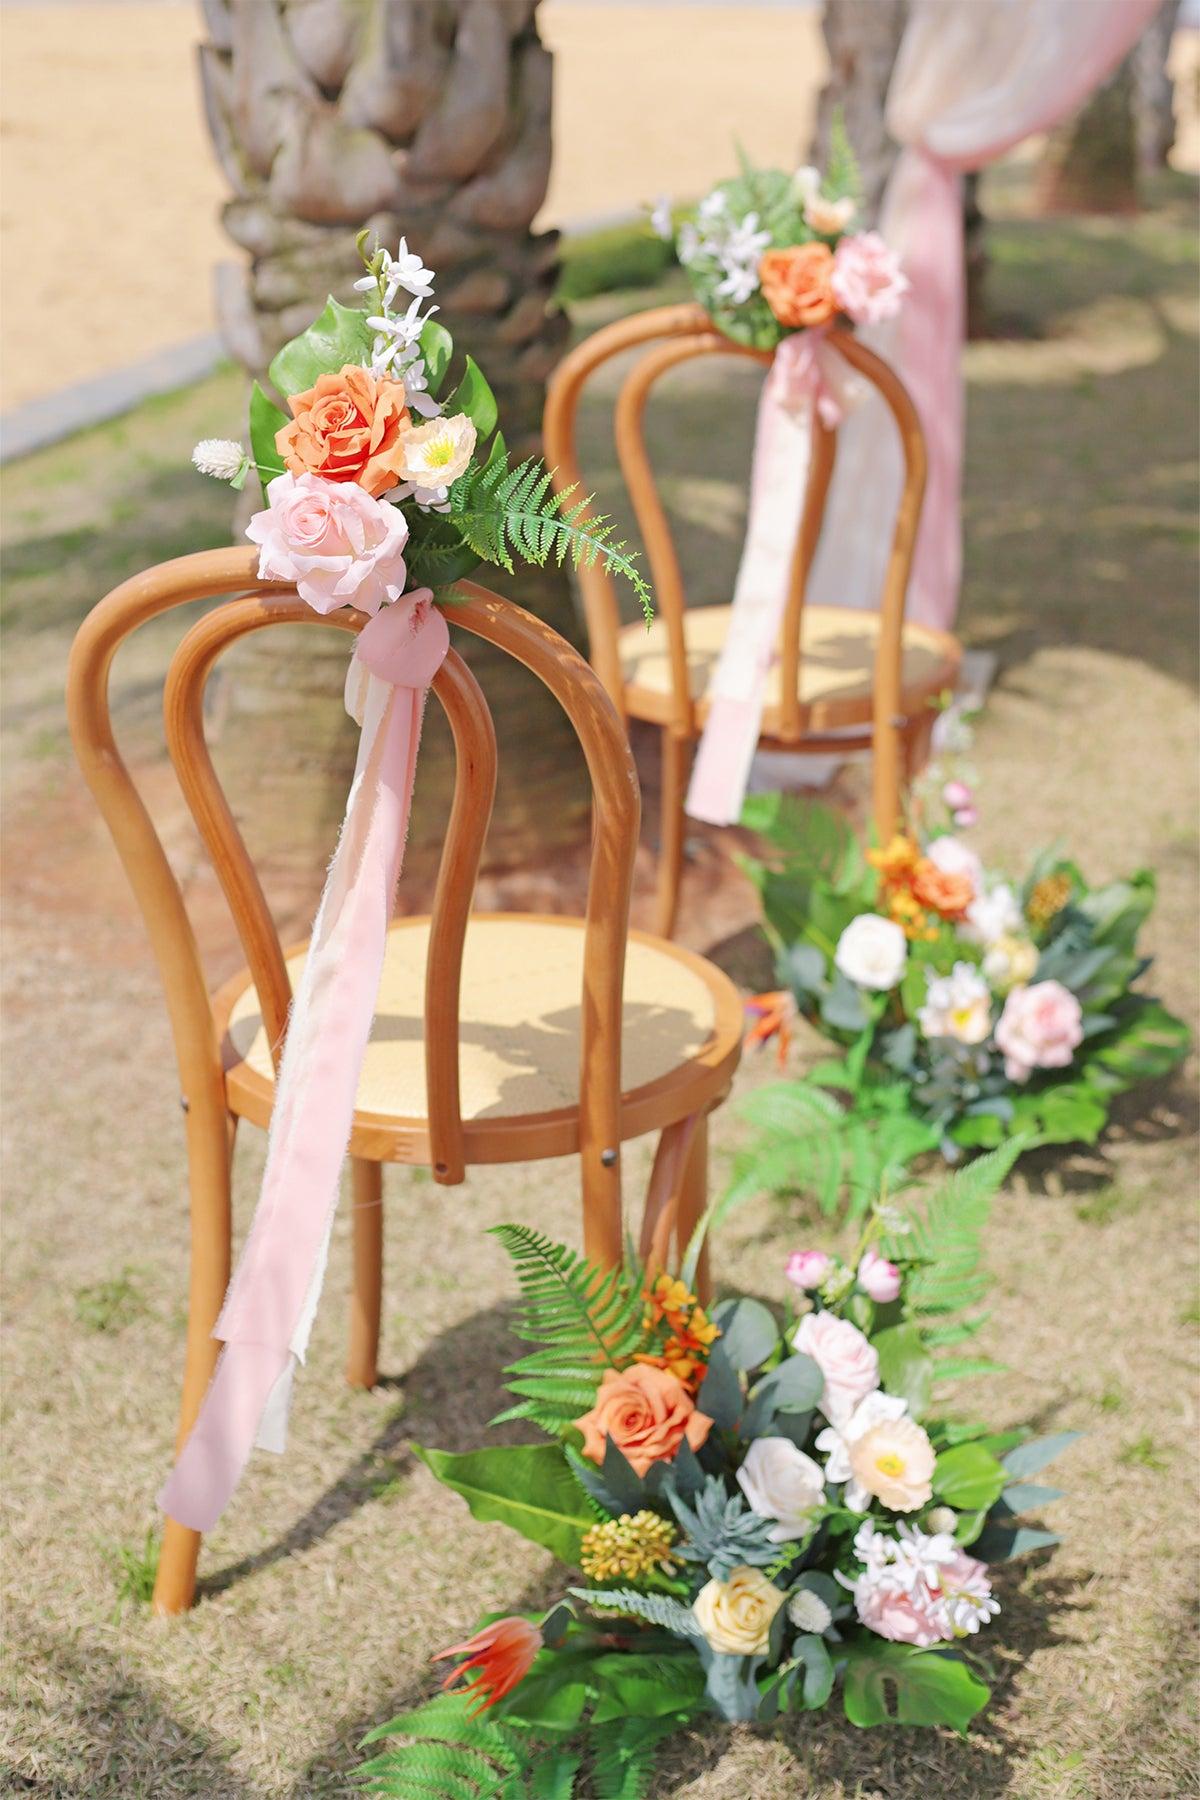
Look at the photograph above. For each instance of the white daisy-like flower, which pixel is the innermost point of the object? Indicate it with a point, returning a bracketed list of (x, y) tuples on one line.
[(435, 455), (222, 458), (660, 218)]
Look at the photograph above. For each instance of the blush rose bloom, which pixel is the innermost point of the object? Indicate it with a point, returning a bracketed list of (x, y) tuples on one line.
[(872, 952), (795, 284), (878, 1278), (348, 427), (782, 1483), (867, 280), (647, 1412), (1041, 1027), (735, 1615), (339, 546), (845, 1358)]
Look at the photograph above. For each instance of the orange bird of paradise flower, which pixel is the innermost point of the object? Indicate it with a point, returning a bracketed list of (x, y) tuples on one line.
[(503, 1654), (773, 1015)]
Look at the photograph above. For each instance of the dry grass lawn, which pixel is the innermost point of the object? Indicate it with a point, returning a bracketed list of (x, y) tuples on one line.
[(338, 1570)]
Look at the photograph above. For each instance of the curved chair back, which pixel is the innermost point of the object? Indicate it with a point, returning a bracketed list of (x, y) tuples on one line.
[(676, 335), (255, 606)]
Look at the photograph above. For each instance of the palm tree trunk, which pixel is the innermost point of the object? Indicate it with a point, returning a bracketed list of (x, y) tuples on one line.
[(430, 120), (1089, 163)]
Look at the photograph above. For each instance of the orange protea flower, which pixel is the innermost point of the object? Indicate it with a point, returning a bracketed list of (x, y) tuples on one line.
[(942, 892), (773, 1015), (503, 1654)]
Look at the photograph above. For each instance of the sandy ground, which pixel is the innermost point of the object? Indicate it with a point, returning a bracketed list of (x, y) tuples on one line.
[(340, 1569), (111, 195)]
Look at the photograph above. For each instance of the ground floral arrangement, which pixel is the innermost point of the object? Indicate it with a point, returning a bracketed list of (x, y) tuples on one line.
[(766, 1505), (770, 253), (375, 486), (969, 1008)]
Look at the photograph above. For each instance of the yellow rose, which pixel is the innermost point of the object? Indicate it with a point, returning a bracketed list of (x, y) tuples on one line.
[(735, 1615), (894, 1461)]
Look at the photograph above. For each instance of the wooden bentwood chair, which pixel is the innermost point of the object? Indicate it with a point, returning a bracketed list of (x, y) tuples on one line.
[(499, 1038), (843, 680)]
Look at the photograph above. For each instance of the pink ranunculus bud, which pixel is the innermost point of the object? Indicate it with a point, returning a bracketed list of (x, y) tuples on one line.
[(878, 1278), (965, 817), (807, 1269), (957, 794)]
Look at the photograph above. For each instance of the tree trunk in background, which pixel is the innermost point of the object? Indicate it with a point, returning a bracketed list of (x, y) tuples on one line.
[(1153, 89), (862, 37), (431, 120), (1089, 163)]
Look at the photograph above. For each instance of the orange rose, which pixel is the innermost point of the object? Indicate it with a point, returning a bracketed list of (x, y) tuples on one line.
[(647, 1412), (941, 891), (349, 427), (795, 284)]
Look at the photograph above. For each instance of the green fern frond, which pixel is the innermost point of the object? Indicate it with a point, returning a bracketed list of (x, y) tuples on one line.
[(656, 1609), (454, 1757), (945, 1239), (583, 1318), (843, 179), (624, 1752), (504, 512)]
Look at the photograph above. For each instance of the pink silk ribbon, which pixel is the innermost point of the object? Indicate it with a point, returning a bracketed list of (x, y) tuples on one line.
[(272, 1299), (805, 374)]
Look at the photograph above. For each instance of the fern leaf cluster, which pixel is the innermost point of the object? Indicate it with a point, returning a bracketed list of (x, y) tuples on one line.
[(583, 1318), (454, 1757), (945, 1239), (722, 1531), (503, 512)]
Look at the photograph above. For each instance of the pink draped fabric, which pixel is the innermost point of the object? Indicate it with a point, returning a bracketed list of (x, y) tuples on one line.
[(272, 1298), (972, 79)]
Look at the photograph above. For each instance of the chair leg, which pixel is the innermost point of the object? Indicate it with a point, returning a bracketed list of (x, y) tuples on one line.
[(210, 1153), (676, 762), (693, 1199), (366, 1300), (886, 754)]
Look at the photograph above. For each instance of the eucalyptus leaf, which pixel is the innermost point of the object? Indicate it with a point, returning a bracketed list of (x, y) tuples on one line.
[(749, 1333), (1027, 1458)]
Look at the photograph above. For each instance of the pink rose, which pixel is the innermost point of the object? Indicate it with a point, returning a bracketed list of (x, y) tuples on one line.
[(1040, 1028), (867, 280), (957, 794), (878, 1277), (845, 1358), (339, 546), (807, 1268)]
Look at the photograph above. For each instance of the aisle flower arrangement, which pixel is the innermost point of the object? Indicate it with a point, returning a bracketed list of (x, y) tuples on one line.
[(378, 482), (968, 1006), (770, 253), (766, 1506)]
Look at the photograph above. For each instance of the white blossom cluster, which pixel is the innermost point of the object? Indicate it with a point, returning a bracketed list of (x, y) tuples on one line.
[(735, 245), (396, 350)]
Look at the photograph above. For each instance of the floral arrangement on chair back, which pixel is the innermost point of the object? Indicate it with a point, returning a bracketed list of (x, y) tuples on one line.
[(374, 484), (765, 1504), (769, 254), (970, 1007)]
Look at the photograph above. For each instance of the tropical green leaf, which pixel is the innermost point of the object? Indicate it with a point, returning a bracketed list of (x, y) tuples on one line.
[(528, 1487), (968, 1477), (339, 335), (474, 397), (905, 1366), (437, 347), (895, 1684), (265, 420)]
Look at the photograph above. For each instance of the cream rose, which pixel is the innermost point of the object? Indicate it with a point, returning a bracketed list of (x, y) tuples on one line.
[(872, 952), (845, 1358), (1010, 962), (735, 1615), (783, 1484)]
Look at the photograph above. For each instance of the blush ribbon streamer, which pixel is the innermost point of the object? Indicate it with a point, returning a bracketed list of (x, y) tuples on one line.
[(272, 1299), (806, 374)]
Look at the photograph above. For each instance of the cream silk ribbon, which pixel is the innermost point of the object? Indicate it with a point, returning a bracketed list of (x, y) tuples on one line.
[(272, 1299), (805, 373)]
